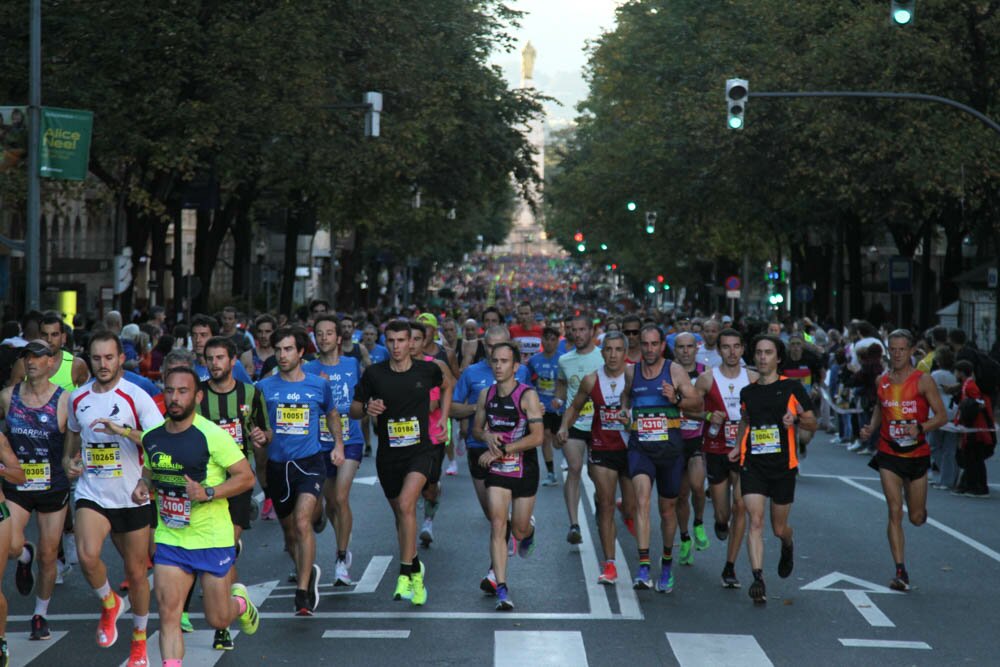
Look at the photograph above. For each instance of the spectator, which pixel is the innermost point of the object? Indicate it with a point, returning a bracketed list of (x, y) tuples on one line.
[(944, 444), (975, 411), (865, 382)]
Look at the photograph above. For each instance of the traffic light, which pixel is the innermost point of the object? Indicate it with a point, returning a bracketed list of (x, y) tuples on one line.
[(604, 246), (578, 237), (631, 206), (650, 222), (776, 298), (773, 275), (902, 11), (651, 288), (660, 279), (666, 287), (736, 95), (614, 267), (582, 247)]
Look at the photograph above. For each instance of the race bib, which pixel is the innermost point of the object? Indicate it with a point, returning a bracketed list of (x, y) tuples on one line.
[(688, 424), (326, 435), (765, 440), (38, 476), (655, 427), (404, 432), (611, 418), (899, 431), (103, 459), (509, 465), (732, 430), (546, 386), (234, 428), (293, 419), (175, 509)]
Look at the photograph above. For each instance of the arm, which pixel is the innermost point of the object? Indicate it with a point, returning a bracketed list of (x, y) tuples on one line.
[(11, 469), (536, 433), (928, 389), (479, 422), (5, 401), (333, 423), (690, 400), (240, 479), (80, 372), (573, 409), (71, 455), (734, 453), (105, 425), (873, 425), (16, 373), (447, 387), (562, 388)]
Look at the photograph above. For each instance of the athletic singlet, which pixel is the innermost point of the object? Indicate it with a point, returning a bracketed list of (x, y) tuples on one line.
[(64, 376), (607, 433), (37, 442), (655, 420), (529, 341), (724, 397), (258, 363), (434, 430), (902, 405), (506, 417), (691, 427)]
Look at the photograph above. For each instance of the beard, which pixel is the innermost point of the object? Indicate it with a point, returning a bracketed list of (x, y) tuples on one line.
[(183, 414)]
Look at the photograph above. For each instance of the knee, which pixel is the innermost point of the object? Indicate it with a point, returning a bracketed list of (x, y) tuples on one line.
[(89, 555), (499, 525), (217, 619), (303, 523), (918, 517), (895, 513), (756, 522), (48, 553)]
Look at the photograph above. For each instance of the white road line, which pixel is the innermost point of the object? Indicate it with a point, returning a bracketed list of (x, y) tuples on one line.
[(883, 643), (22, 650), (599, 605), (697, 650), (366, 634), (197, 648), (867, 608), (544, 649), (368, 481), (817, 475), (367, 584), (961, 537), (407, 612), (260, 592)]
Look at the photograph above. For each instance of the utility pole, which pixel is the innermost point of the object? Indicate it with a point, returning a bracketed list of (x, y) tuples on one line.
[(33, 232)]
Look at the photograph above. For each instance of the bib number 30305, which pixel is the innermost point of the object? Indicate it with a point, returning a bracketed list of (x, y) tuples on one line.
[(38, 476)]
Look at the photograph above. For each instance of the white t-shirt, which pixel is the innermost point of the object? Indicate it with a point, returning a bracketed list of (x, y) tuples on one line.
[(709, 358), (860, 346), (112, 464), (942, 379)]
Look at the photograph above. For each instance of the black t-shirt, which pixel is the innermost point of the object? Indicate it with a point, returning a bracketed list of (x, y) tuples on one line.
[(808, 369), (767, 443), (404, 423)]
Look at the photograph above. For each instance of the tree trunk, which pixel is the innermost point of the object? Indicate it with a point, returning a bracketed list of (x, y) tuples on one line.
[(243, 254), (856, 276)]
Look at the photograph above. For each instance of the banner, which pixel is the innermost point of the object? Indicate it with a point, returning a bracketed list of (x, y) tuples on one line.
[(13, 137), (65, 143)]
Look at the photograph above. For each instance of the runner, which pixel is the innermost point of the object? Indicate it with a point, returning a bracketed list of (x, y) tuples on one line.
[(296, 465), (693, 480), (721, 389), (108, 467), (573, 367), (36, 411), (509, 420), (903, 457), (342, 374), (10, 473), (631, 325), (657, 390), (397, 394), (544, 368), (70, 371), (204, 327), (526, 333), (804, 365), (773, 408), (263, 352), (607, 461), (349, 347), (708, 353), (194, 466)]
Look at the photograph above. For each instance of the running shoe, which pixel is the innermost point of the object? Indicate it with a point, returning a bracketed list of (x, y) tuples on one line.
[(550, 480), (313, 589), (427, 533), (666, 582), (686, 557), (503, 599), (69, 547), (267, 512), (700, 538), (137, 652), (729, 579), (787, 561), (223, 641), (39, 628), (342, 577), (608, 575), (419, 596), (23, 578), (642, 581), (527, 546), (758, 593), (249, 619), (107, 629), (62, 571), (901, 582), (854, 446), (627, 520), (123, 587), (302, 607), (4, 653), (254, 509), (186, 625), (488, 584), (721, 531), (404, 588), (574, 536), (452, 469), (319, 524)]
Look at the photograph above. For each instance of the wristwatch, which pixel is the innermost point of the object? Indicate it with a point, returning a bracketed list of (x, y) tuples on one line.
[(210, 492)]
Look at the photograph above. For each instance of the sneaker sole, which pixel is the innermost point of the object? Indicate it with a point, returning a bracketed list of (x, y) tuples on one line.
[(314, 585), (505, 606), (607, 582), (641, 585), (426, 538), (730, 585), (486, 587), (575, 538)]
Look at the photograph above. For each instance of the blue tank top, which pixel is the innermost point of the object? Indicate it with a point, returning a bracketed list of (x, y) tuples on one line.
[(35, 438), (656, 422)]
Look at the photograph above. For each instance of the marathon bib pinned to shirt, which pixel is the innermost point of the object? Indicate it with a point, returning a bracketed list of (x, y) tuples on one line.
[(611, 418), (546, 386), (326, 435), (731, 431), (588, 409), (508, 465), (292, 419), (899, 431), (655, 426), (175, 509), (404, 432), (688, 424), (234, 428), (103, 459), (766, 440), (38, 476)]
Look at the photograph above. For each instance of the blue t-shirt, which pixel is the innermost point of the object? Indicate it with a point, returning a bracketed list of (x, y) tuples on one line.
[(473, 380), (142, 382), (378, 354), (672, 337), (544, 373), (239, 373), (294, 409), (342, 378)]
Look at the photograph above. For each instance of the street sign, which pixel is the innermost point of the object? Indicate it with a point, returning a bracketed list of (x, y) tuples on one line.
[(991, 277), (732, 294), (900, 275), (804, 293), (733, 283)]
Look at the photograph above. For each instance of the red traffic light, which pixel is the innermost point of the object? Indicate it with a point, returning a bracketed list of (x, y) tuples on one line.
[(660, 279), (578, 237), (614, 267)]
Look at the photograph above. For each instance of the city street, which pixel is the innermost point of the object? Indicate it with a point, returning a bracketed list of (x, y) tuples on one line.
[(835, 609)]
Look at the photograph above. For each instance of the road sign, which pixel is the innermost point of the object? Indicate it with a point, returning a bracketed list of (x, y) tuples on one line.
[(900, 275), (732, 294), (804, 293), (733, 283)]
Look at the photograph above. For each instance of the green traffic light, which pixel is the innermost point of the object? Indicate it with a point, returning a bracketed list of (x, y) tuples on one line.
[(902, 16), (666, 287), (650, 229), (581, 247), (631, 206), (604, 246), (651, 288), (735, 122)]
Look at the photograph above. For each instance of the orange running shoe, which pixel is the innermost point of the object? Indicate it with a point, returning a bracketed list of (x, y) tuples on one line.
[(107, 629), (137, 655), (609, 575)]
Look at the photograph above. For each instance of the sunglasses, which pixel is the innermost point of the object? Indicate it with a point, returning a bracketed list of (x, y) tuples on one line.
[(630, 332)]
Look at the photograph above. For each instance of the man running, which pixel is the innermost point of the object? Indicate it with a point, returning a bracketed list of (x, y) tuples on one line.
[(108, 467), (804, 365), (693, 480), (10, 473), (526, 333), (342, 374), (721, 389), (607, 460), (708, 353), (544, 368), (509, 420), (773, 408), (69, 371), (349, 347), (397, 394), (631, 326), (657, 391), (204, 327), (36, 411), (573, 367), (296, 465), (194, 466), (903, 456)]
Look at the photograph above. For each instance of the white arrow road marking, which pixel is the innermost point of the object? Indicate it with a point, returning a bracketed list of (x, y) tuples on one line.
[(369, 481), (367, 584), (857, 594)]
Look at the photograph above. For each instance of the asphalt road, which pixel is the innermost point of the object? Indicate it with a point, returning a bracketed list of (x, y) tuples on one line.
[(835, 609)]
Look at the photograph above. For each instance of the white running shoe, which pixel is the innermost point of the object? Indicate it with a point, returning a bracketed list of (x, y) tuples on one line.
[(452, 469), (427, 533), (69, 549), (342, 576)]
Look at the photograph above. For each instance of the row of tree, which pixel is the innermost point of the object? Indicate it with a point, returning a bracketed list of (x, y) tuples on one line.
[(813, 180), (230, 106)]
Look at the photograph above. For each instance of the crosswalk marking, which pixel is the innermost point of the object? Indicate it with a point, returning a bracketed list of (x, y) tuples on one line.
[(696, 650), (536, 648), (883, 643), (22, 650), (366, 634), (197, 648), (368, 583)]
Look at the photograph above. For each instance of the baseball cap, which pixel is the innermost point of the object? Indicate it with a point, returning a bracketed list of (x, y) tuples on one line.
[(428, 318), (39, 348), (726, 319)]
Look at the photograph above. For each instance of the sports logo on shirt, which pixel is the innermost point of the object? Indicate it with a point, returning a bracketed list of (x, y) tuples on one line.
[(114, 411)]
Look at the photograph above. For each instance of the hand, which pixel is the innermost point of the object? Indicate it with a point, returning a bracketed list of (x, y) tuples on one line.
[(106, 426), (562, 436), (195, 491), (140, 494), (73, 467), (914, 431), (493, 441), (337, 454), (789, 419), (486, 459), (668, 391), (376, 406), (866, 433), (718, 418), (443, 423), (557, 403), (258, 438), (734, 454)]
